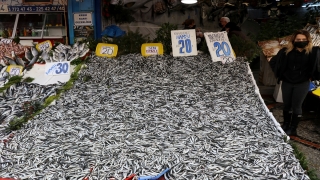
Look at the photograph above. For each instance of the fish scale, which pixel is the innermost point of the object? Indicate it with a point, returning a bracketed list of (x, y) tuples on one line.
[(141, 115)]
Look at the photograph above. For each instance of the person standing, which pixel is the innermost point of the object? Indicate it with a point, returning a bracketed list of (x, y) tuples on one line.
[(233, 30), (190, 24), (223, 22), (295, 65)]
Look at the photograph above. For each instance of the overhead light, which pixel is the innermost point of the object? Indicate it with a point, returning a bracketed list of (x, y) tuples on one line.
[(189, 1)]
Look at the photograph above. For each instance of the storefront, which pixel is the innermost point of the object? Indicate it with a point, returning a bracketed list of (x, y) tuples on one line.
[(35, 20), (84, 19)]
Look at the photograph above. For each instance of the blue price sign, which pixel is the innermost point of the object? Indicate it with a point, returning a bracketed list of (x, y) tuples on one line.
[(219, 46), (57, 68), (50, 8), (184, 43)]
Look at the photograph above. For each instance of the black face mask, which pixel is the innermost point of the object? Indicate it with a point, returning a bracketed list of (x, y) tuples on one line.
[(187, 27), (301, 44), (220, 25)]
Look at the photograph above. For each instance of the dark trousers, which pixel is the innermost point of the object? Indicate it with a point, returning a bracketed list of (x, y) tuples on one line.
[(293, 96)]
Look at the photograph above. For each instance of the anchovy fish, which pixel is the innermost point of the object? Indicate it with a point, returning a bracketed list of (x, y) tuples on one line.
[(132, 114)]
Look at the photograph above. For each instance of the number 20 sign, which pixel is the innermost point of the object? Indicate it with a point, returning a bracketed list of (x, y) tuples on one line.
[(219, 46), (184, 43)]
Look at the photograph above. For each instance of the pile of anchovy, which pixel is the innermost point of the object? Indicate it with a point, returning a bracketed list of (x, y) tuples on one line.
[(140, 115), (15, 98)]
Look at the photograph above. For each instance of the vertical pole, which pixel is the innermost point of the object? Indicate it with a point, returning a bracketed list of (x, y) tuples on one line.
[(65, 20)]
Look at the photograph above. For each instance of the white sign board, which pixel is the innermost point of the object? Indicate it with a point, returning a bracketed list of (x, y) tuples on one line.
[(57, 68), (82, 19), (219, 46), (184, 43)]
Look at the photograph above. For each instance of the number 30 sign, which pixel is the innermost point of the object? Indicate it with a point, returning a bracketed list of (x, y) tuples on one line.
[(57, 68), (219, 46)]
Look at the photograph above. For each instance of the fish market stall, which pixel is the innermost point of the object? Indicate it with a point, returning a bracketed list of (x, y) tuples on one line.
[(142, 115)]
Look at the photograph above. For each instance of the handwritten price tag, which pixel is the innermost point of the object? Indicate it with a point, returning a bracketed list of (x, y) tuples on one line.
[(6, 41), (149, 49), (106, 50), (219, 47), (57, 68), (184, 43), (14, 70), (45, 45)]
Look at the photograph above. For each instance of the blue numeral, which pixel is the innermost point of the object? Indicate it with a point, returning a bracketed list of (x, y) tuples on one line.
[(223, 44), (217, 44), (58, 71), (62, 68), (222, 47), (182, 43), (65, 67), (188, 46)]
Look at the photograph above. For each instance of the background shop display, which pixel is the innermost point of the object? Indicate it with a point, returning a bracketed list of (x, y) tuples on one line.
[(33, 20)]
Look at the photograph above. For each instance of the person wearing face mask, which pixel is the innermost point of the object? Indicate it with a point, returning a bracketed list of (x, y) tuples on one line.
[(295, 65), (190, 24)]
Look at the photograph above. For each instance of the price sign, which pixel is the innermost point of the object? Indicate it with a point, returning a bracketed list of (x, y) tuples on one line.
[(219, 47), (4, 8), (6, 41), (148, 49), (184, 42), (106, 50), (57, 68), (45, 45), (14, 70)]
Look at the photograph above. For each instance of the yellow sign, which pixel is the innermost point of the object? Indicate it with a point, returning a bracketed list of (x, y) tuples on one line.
[(106, 50), (316, 92), (149, 49), (45, 45), (14, 70)]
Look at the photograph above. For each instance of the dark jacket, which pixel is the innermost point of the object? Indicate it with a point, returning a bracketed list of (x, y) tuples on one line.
[(279, 62)]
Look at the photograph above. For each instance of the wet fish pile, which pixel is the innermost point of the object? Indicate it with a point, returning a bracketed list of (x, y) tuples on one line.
[(140, 115), (4, 76), (7, 48), (69, 53), (17, 95)]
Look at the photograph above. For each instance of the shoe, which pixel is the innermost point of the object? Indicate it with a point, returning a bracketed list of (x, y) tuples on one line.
[(292, 131), (286, 120)]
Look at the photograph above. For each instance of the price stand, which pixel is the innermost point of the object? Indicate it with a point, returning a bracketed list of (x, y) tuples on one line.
[(219, 47), (184, 43)]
